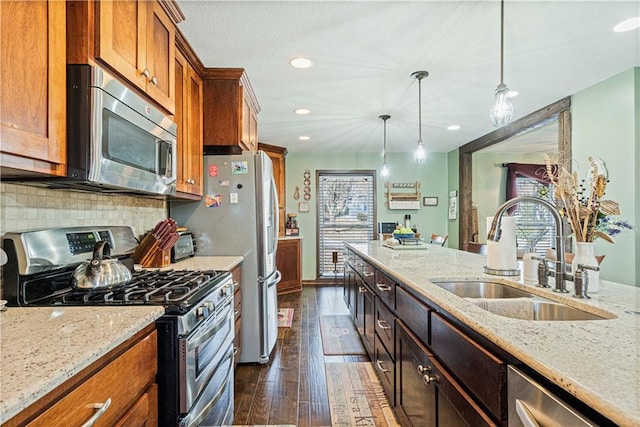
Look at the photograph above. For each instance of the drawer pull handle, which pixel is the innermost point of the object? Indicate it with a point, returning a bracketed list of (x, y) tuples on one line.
[(235, 312), (527, 418), (359, 264), (423, 369), (428, 379), (368, 273), (383, 287), (362, 289), (379, 364), (236, 284), (101, 409), (383, 324)]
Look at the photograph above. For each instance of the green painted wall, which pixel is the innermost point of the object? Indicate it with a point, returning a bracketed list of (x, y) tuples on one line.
[(605, 124), (432, 177)]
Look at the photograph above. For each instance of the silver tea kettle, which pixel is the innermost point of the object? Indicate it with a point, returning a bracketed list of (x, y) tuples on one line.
[(101, 272)]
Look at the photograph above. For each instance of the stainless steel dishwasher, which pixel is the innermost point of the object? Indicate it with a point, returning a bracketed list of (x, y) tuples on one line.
[(531, 405)]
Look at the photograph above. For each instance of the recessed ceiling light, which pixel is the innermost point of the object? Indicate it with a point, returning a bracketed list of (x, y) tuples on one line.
[(304, 138), (512, 93), (300, 62), (627, 25), (302, 111), (453, 127)]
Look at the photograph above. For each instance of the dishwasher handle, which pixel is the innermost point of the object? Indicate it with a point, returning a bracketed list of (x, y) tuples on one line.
[(525, 415)]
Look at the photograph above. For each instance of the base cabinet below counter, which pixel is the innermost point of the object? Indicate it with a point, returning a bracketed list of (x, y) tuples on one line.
[(289, 263), (117, 390)]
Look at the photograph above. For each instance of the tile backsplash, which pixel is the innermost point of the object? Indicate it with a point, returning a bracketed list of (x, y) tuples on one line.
[(25, 208)]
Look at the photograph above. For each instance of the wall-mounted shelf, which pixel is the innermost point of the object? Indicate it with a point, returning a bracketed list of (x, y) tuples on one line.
[(405, 200)]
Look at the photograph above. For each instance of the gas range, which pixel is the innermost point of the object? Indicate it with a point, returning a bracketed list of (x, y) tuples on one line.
[(41, 264), (195, 335)]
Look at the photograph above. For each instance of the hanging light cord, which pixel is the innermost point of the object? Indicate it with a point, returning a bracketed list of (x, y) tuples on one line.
[(384, 145), (419, 109), (501, 41)]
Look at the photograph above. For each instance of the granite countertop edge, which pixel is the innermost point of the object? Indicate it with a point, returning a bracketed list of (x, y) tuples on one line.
[(572, 355)]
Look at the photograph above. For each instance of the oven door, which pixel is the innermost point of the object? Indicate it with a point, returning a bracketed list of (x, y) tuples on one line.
[(214, 407), (202, 352)]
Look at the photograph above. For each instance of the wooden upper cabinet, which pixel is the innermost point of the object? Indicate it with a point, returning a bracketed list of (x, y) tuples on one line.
[(188, 116), (230, 119), (136, 38), (33, 87)]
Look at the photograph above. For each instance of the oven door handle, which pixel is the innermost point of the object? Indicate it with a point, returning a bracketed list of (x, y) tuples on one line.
[(222, 317)]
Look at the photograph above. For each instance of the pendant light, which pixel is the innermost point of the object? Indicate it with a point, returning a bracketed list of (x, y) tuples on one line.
[(384, 171), (420, 155), (502, 110)]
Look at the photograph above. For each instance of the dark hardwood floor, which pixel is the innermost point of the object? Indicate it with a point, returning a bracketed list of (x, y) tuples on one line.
[(292, 387)]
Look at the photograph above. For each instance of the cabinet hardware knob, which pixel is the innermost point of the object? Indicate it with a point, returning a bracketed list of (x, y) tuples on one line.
[(362, 289), (146, 73), (423, 369), (427, 379), (235, 350), (101, 409), (154, 81), (379, 364)]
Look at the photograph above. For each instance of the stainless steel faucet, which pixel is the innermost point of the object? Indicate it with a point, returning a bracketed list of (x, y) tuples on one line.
[(559, 271)]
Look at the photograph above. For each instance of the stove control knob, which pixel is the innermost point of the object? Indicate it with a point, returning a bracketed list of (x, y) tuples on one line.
[(200, 312), (210, 305)]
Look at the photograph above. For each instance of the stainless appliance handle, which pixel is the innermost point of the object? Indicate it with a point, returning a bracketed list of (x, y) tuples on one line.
[(209, 332), (276, 281), (101, 409), (525, 415), (276, 217)]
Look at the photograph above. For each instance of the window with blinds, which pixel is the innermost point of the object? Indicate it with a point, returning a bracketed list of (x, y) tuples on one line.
[(346, 212), (535, 228)]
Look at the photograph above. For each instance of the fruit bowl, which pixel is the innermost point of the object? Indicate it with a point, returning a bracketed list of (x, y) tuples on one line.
[(404, 236)]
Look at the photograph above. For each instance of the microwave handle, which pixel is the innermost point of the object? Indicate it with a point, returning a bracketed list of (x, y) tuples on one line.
[(164, 146)]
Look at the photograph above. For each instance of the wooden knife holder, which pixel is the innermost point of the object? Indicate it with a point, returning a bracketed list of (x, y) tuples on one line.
[(149, 255)]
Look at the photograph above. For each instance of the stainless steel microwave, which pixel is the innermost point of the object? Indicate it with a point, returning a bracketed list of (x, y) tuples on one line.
[(116, 140)]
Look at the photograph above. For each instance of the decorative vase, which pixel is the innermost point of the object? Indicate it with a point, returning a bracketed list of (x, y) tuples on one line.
[(585, 255)]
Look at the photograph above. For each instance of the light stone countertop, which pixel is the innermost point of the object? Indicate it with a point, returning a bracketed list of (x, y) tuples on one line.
[(221, 263), (42, 347), (597, 361)]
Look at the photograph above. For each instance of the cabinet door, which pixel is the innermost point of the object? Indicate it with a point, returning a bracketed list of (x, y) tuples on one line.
[(180, 117), (414, 400), (122, 38), (145, 412), (194, 130), (33, 86), (365, 315), (288, 261), (160, 51)]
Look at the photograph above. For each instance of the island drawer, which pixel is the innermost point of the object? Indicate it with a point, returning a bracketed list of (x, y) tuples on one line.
[(385, 368), (365, 270), (386, 327), (484, 374), (385, 288), (414, 314)]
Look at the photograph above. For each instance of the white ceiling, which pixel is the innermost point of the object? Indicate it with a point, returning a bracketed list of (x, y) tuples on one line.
[(365, 51)]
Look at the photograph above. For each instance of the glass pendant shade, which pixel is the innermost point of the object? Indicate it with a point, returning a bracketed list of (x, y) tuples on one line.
[(420, 155), (502, 110), (384, 171)]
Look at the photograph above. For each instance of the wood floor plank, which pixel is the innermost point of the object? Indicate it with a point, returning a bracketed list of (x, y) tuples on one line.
[(292, 388)]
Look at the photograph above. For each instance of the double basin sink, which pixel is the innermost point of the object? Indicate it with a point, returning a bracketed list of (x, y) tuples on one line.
[(512, 302)]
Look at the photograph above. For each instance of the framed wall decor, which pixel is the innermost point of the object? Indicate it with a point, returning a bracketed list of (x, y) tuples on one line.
[(430, 201), (303, 206)]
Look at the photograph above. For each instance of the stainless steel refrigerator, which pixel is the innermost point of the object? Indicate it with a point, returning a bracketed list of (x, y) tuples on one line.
[(238, 215)]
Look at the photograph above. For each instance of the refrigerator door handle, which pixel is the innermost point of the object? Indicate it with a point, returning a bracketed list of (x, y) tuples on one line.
[(276, 215), (277, 280)]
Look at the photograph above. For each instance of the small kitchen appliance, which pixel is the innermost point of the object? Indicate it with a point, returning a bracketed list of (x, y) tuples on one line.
[(195, 335)]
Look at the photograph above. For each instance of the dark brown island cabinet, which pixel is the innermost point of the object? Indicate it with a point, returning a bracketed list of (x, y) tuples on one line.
[(435, 370)]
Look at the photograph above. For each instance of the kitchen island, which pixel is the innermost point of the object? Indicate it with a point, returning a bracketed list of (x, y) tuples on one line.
[(44, 347), (597, 361)]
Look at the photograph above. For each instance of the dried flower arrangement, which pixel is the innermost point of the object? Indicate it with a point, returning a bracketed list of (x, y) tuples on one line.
[(582, 203)]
